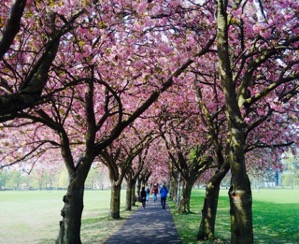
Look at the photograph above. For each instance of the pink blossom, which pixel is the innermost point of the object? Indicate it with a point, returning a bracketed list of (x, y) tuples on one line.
[(141, 7), (257, 27)]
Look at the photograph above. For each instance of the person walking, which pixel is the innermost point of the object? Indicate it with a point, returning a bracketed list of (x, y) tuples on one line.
[(147, 193), (155, 191), (163, 195), (143, 196)]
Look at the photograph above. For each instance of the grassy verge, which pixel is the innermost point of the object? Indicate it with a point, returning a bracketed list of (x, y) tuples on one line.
[(275, 217), (33, 216)]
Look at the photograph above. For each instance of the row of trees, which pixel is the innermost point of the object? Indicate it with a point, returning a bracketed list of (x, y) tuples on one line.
[(49, 179), (155, 90), (286, 176)]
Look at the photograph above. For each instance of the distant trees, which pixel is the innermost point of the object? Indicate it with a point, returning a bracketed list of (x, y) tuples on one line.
[(290, 170), (43, 179)]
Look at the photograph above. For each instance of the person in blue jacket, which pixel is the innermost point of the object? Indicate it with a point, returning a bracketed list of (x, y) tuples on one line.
[(163, 195)]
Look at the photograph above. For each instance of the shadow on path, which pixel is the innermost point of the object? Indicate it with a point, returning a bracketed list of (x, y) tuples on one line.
[(152, 225)]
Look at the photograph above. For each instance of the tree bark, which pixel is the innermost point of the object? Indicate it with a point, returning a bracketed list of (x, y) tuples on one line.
[(129, 193), (133, 195), (115, 200), (138, 187), (173, 189), (240, 206), (12, 26), (184, 204), (240, 192), (71, 213), (207, 225)]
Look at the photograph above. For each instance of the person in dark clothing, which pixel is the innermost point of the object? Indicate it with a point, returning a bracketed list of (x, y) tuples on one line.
[(143, 196)]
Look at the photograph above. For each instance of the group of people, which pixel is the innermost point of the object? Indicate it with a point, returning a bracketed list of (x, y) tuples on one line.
[(145, 193)]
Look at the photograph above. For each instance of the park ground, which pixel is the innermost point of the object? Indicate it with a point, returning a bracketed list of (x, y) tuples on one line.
[(33, 216)]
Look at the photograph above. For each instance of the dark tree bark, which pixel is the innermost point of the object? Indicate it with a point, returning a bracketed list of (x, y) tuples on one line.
[(115, 200), (184, 204), (138, 188), (173, 183), (12, 26), (116, 174), (73, 204), (207, 225), (240, 202), (72, 212), (133, 200), (173, 188), (129, 193), (189, 172)]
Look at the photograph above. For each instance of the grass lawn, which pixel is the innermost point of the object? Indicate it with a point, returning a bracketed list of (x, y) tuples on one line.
[(33, 216), (275, 217)]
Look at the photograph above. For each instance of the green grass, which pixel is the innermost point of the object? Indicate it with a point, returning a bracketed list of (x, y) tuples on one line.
[(33, 216), (275, 217)]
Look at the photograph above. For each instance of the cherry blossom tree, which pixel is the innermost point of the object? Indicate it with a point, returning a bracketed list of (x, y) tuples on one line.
[(119, 158), (210, 103), (255, 67), (211, 111), (256, 49), (108, 54), (150, 166), (188, 149)]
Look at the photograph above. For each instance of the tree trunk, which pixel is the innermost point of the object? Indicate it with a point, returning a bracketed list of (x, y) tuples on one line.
[(173, 189), (240, 192), (240, 208), (138, 188), (133, 190), (184, 204), (209, 211), (129, 195), (71, 213), (115, 200)]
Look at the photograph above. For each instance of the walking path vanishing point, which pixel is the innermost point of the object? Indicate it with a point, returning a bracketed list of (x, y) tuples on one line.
[(152, 225)]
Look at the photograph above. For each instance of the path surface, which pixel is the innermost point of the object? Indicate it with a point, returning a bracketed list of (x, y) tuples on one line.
[(152, 225)]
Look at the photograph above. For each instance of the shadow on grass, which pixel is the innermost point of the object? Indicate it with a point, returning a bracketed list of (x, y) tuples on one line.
[(99, 229), (272, 222)]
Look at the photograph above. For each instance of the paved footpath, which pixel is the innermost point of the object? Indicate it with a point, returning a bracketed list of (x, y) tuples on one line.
[(152, 225)]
